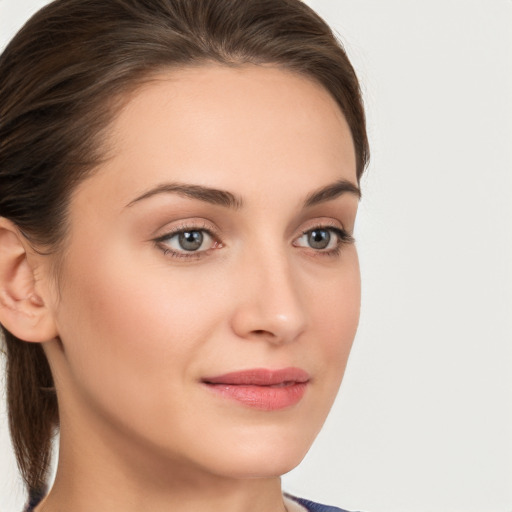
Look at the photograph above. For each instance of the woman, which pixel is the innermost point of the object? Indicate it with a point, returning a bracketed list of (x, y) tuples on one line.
[(179, 283)]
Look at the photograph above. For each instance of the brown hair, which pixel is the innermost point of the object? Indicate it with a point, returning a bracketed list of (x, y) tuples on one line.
[(59, 81)]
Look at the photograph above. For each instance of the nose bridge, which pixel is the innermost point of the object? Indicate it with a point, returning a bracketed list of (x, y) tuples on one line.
[(270, 304)]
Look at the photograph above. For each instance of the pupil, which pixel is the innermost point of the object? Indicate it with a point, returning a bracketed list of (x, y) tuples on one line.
[(190, 240), (319, 238)]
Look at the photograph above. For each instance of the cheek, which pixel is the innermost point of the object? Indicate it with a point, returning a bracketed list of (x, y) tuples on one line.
[(335, 310), (335, 305), (131, 331)]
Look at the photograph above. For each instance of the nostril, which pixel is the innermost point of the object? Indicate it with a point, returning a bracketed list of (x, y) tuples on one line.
[(262, 332)]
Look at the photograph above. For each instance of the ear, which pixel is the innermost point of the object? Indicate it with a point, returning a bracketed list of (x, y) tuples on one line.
[(23, 311)]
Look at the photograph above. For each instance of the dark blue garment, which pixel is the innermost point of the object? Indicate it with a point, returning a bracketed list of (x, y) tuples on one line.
[(311, 506)]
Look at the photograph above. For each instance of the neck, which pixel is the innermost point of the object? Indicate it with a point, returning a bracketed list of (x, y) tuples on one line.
[(98, 473), (260, 496)]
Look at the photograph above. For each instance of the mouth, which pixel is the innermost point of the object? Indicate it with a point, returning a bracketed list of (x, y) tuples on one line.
[(262, 389)]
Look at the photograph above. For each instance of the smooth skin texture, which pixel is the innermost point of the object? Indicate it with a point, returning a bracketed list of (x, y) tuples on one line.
[(137, 319)]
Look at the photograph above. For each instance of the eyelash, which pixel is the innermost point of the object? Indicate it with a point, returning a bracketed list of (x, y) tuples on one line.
[(342, 236), (191, 255)]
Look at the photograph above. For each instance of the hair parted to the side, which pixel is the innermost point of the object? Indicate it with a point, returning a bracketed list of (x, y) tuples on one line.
[(64, 77)]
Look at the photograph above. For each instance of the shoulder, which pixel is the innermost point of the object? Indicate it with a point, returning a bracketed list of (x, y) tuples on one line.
[(312, 506)]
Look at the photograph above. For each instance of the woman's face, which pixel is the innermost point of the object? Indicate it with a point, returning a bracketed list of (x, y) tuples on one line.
[(209, 293)]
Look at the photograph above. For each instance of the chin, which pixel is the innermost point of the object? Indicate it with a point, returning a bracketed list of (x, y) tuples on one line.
[(263, 465), (261, 454)]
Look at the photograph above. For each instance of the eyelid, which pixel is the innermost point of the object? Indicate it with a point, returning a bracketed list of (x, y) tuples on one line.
[(325, 223), (192, 224), (342, 234), (344, 237), (188, 225)]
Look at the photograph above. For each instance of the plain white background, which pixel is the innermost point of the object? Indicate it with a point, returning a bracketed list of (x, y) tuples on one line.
[(424, 418)]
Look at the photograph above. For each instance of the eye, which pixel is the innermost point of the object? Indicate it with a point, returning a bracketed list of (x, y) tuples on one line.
[(187, 242), (318, 238), (323, 239), (190, 240)]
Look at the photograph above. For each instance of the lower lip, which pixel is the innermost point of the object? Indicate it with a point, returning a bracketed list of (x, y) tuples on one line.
[(265, 398)]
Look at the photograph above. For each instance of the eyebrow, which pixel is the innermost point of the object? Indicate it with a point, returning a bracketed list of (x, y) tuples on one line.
[(230, 200), (206, 194), (332, 191)]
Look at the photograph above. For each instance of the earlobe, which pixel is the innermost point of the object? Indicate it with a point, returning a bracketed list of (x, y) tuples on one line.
[(23, 311)]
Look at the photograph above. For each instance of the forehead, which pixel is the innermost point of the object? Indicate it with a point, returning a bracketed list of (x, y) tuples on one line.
[(224, 127)]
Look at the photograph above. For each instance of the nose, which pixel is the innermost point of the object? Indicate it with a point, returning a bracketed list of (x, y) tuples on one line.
[(269, 305)]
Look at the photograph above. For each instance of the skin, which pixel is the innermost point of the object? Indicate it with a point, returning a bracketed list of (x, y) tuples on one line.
[(137, 328)]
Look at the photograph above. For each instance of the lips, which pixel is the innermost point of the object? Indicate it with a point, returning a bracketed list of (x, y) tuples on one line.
[(260, 388)]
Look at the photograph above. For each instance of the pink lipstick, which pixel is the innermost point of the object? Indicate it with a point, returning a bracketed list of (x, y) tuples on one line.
[(263, 389)]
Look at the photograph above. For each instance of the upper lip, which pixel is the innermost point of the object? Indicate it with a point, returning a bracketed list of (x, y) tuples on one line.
[(260, 377)]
